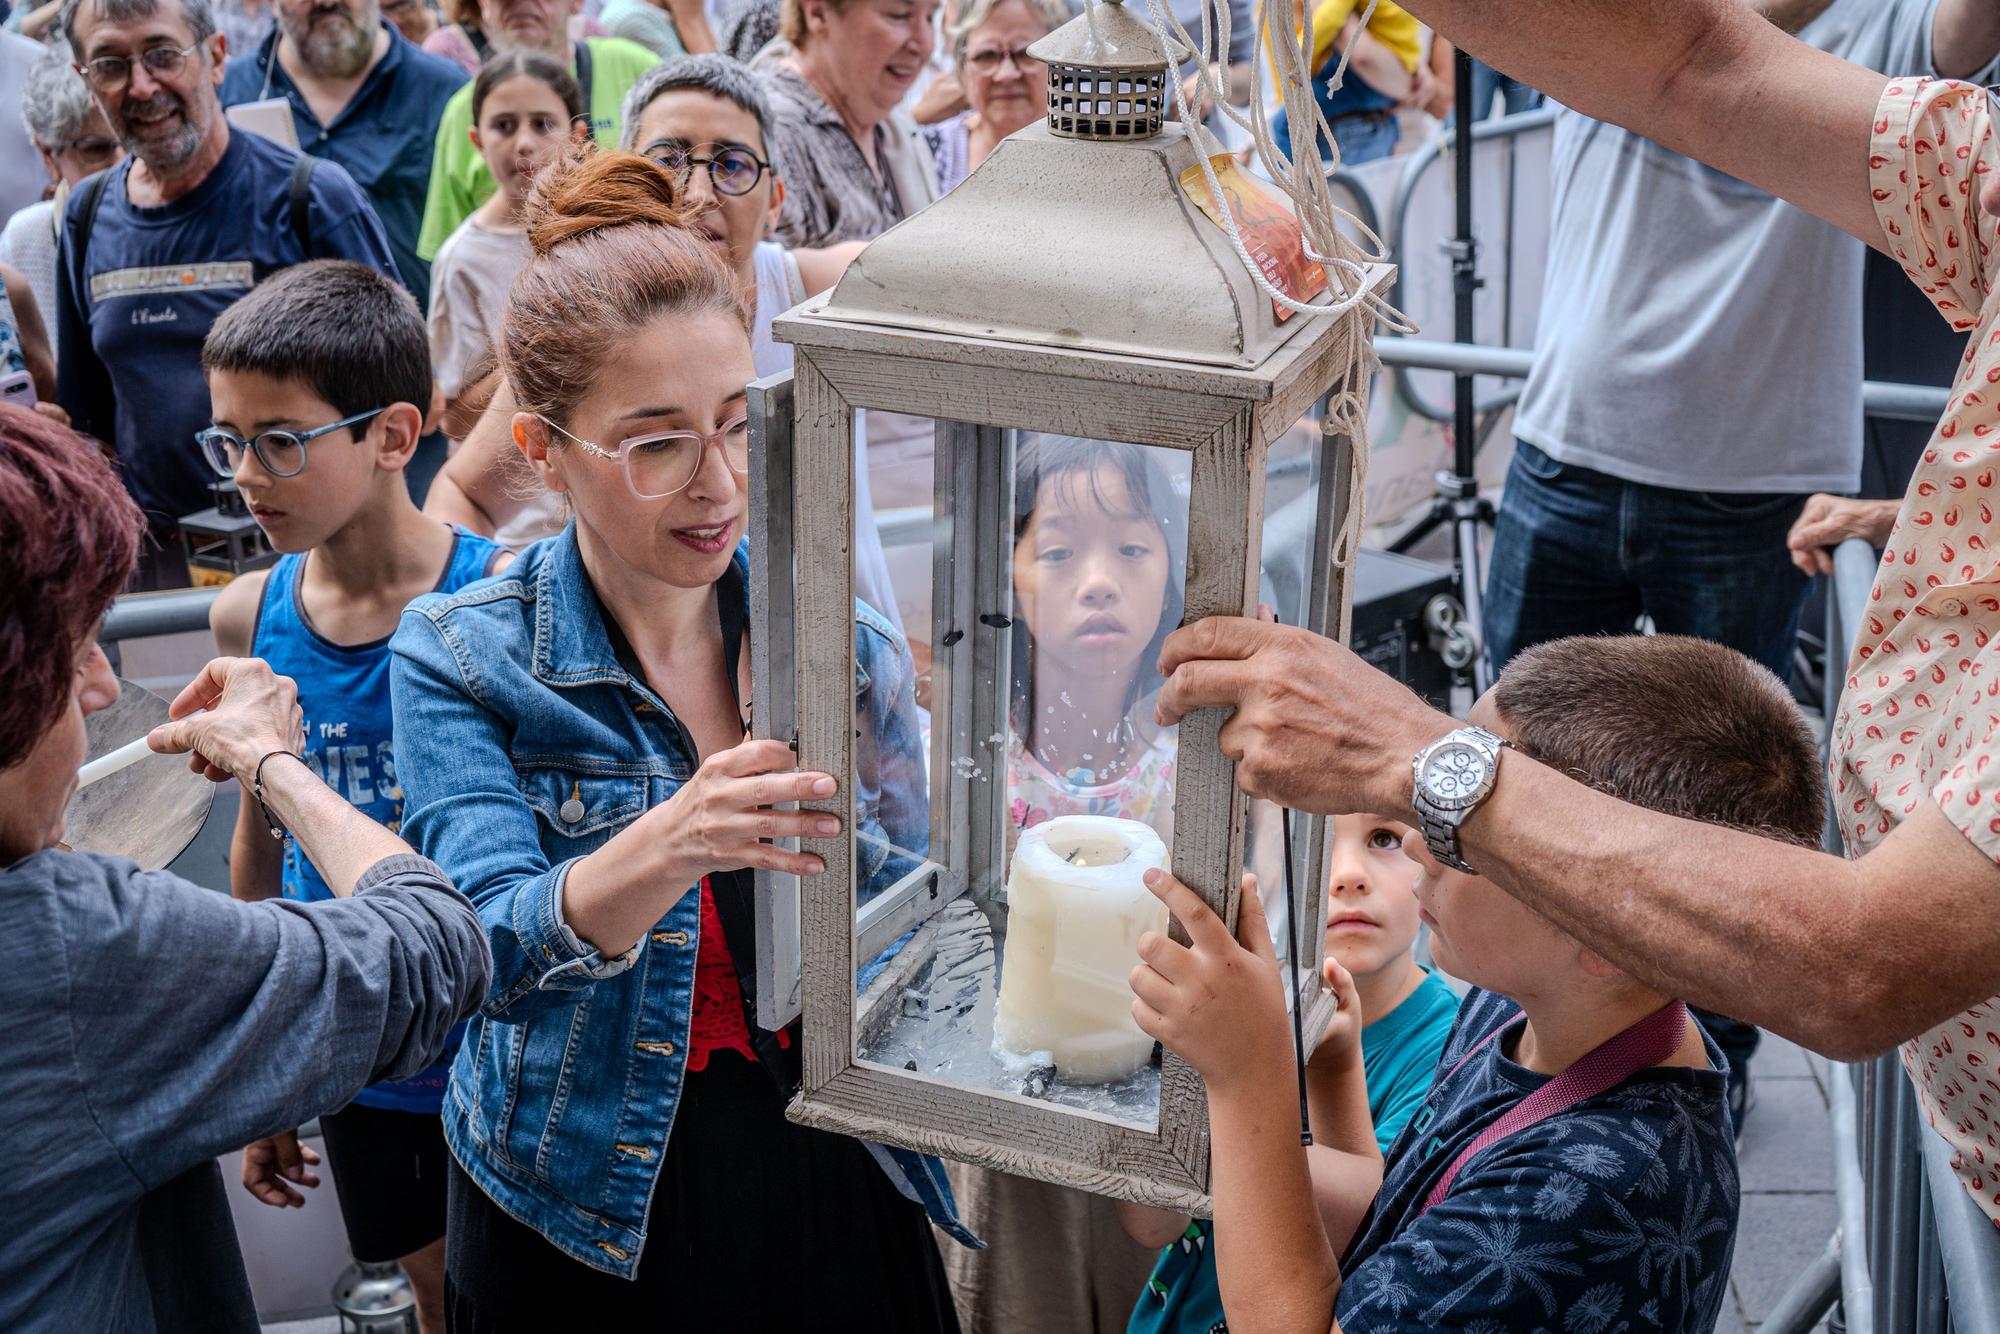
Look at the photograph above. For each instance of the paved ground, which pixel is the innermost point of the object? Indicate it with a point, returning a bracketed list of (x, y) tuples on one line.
[(1787, 1164)]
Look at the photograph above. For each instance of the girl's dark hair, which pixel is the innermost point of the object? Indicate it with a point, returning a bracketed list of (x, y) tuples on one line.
[(612, 253), (1071, 462), (68, 537), (523, 62)]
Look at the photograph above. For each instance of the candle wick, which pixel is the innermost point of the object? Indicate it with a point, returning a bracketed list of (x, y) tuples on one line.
[(1072, 855)]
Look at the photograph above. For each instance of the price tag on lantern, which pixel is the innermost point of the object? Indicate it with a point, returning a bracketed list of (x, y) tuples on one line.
[(1269, 231)]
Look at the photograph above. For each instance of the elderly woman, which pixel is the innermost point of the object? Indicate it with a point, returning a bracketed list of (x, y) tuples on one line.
[(854, 164), (1005, 88), (1846, 957), (148, 1024), (70, 132)]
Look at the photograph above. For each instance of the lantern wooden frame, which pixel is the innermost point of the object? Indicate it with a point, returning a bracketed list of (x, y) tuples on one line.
[(802, 514)]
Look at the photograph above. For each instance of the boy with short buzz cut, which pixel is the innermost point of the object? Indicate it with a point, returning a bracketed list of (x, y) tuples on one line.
[(315, 382), (1407, 1010), (1572, 1167)]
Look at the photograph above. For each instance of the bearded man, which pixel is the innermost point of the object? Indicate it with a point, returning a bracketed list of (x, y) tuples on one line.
[(361, 95), (155, 248)]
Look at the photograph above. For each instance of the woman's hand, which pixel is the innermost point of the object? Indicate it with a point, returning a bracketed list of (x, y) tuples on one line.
[(230, 717), (726, 816), (1827, 521)]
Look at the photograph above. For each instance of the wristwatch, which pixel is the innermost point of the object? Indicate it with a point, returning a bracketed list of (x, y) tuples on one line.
[(1453, 775)]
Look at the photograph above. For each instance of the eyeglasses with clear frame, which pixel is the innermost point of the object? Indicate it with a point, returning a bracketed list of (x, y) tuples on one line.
[(280, 453), (731, 170), (663, 463), (108, 74), (988, 60)]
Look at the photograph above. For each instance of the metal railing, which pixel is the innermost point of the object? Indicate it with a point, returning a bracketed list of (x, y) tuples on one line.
[(1911, 1252)]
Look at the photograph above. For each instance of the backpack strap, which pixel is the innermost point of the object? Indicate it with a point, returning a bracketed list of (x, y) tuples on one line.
[(299, 191), (582, 49), (93, 199), (1640, 1047)]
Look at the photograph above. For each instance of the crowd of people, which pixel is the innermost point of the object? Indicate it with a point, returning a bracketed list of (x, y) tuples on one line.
[(492, 915)]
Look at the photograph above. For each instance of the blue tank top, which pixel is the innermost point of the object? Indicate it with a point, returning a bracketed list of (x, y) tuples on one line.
[(344, 693)]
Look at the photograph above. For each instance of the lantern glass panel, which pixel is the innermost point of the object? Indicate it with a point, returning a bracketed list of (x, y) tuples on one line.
[(1054, 578)]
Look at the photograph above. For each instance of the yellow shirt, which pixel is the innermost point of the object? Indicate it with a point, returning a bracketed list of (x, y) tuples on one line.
[(1392, 26)]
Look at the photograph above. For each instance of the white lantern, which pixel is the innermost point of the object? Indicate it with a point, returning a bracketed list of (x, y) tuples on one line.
[(1070, 299)]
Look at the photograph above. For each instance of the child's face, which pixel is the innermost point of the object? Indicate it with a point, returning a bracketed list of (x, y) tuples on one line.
[(299, 512), (522, 126), (1371, 904), (1090, 575), (1483, 934)]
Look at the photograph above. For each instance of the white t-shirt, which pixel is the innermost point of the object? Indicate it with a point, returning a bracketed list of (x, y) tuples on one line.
[(469, 280), (1697, 333)]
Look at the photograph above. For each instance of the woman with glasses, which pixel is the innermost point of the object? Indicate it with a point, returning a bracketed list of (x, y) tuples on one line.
[(70, 133), (572, 744), (1006, 89), (704, 119)]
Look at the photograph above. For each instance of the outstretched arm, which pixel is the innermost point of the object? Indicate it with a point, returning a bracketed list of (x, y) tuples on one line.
[(1707, 78)]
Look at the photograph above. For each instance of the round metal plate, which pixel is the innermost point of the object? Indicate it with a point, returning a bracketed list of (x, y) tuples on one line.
[(149, 811)]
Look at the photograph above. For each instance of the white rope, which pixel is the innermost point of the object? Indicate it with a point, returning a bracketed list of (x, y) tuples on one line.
[(1344, 260)]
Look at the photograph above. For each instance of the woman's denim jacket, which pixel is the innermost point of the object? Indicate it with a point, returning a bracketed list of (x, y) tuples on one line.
[(522, 746)]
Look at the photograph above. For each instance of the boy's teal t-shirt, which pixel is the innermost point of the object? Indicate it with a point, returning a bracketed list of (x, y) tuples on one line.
[(1400, 1051)]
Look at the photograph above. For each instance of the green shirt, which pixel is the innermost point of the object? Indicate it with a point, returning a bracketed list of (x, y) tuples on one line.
[(460, 181)]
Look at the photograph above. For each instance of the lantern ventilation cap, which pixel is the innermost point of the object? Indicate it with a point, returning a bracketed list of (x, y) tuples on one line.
[(1107, 74)]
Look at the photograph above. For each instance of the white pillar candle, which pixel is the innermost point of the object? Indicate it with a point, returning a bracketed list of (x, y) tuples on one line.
[(1076, 907)]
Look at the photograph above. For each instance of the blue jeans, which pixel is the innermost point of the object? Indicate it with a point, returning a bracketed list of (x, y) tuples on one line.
[(1578, 552), (1515, 96), (1361, 138)]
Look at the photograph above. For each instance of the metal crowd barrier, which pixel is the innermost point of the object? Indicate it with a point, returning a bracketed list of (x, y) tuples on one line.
[(1911, 1253)]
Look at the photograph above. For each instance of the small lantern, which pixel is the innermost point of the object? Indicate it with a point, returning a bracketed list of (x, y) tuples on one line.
[(961, 964), (224, 541)]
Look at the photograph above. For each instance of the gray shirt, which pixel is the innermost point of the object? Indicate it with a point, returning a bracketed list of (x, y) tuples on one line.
[(1697, 333), (148, 1024)]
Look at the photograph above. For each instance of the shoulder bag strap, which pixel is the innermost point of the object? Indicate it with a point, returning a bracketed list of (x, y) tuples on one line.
[(93, 199), (300, 192), (583, 80), (1640, 1047)]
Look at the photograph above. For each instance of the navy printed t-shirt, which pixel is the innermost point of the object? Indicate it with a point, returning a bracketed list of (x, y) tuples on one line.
[(1619, 1214), (159, 277)]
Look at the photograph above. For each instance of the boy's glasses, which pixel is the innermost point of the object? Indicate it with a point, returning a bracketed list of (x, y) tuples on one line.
[(280, 453), (732, 171), (107, 74), (663, 463)]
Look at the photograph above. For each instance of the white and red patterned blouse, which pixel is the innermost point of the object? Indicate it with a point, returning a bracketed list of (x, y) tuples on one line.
[(1921, 715)]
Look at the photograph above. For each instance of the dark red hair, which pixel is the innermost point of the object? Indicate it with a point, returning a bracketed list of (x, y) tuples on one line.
[(68, 537)]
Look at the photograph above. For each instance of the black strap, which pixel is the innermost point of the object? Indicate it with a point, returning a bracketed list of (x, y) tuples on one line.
[(93, 199), (300, 194), (583, 77), (477, 36)]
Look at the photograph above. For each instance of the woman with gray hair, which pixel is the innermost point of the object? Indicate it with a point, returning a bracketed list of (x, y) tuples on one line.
[(855, 165), (69, 131), (1006, 89)]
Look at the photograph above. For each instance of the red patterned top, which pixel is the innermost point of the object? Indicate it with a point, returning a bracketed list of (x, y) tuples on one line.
[(1920, 719), (718, 1023)]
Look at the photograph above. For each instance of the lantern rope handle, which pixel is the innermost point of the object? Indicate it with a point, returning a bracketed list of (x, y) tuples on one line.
[(1344, 260)]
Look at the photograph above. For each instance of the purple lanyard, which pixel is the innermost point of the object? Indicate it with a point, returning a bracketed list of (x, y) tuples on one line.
[(1640, 1047)]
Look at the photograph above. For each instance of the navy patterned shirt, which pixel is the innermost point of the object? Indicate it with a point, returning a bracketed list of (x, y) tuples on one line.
[(1617, 1214)]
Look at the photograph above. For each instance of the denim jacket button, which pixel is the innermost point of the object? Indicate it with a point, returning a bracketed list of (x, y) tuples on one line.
[(572, 811)]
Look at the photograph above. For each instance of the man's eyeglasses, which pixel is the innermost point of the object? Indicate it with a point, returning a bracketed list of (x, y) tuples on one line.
[(732, 171), (987, 60), (107, 74), (280, 453), (663, 463)]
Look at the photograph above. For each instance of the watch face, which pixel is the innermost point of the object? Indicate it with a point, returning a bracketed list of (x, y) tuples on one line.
[(1454, 774)]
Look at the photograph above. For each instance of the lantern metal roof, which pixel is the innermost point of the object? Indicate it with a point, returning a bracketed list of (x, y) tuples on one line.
[(1076, 232)]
